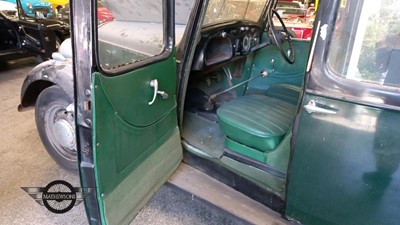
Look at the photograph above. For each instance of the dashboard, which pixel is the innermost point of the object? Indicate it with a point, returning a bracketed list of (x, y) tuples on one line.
[(225, 42)]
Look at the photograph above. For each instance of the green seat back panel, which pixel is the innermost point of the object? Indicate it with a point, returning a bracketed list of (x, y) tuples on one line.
[(285, 92), (257, 121), (279, 71)]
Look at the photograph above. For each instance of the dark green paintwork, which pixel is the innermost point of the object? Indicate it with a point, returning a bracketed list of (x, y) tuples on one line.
[(345, 167)]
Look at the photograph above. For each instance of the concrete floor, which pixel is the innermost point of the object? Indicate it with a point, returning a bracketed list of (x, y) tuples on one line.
[(25, 163)]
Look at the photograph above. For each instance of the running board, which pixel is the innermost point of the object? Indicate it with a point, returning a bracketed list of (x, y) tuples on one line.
[(210, 190)]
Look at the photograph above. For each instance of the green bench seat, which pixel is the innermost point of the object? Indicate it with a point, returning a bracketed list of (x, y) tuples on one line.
[(256, 121)]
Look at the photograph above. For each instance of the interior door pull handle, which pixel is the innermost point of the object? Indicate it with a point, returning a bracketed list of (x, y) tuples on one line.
[(154, 85), (312, 107)]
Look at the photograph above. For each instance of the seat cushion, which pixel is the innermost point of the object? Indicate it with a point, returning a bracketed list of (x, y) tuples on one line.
[(256, 121), (285, 92)]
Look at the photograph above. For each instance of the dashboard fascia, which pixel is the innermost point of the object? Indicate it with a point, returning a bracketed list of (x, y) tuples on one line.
[(226, 42)]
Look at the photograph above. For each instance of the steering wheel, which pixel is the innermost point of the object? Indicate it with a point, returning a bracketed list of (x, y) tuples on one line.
[(280, 36)]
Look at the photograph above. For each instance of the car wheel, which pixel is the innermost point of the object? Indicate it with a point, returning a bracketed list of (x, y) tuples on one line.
[(56, 126)]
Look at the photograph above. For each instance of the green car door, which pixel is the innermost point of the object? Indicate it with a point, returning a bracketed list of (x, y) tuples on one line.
[(126, 109), (346, 151)]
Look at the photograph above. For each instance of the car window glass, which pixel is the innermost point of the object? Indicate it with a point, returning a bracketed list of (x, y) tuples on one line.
[(366, 47), (131, 32), (225, 10)]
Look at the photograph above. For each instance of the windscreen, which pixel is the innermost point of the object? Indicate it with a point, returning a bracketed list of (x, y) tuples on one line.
[(225, 10)]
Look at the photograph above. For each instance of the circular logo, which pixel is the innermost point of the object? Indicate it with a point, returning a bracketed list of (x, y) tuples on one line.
[(59, 196)]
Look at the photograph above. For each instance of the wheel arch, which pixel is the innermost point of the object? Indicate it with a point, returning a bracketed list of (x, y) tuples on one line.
[(28, 99), (44, 75)]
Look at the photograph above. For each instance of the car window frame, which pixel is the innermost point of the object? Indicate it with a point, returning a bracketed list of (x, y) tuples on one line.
[(322, 81), (168, 44)]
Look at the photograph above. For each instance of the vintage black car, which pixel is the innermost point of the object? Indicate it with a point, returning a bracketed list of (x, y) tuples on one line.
[(22, 36)]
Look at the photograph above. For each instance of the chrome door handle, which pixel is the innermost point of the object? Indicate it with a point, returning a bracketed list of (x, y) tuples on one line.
[(154, 84), (312, 107)]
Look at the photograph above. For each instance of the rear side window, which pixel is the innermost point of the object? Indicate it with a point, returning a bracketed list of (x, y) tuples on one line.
[(366, 45)]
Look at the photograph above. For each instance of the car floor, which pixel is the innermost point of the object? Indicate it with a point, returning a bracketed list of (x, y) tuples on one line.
[(25, 163), (203, 133)]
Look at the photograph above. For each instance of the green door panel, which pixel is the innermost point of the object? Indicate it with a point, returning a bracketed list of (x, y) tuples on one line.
[(136, 145), (129, 94), (125, 201), (120, 145), (351, 157), (279, 71)]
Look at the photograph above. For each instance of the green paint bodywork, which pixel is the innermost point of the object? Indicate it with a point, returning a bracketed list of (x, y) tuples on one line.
[(345, 167)]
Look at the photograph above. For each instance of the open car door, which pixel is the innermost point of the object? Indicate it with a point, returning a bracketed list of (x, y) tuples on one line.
[(345, 162), (125, 73), (34, 36)]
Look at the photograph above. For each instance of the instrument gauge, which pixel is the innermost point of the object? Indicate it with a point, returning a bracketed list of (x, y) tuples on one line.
[(255, 39), (246, 43)]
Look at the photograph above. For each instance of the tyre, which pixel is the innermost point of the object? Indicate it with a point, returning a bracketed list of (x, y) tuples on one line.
[(56, 126)]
